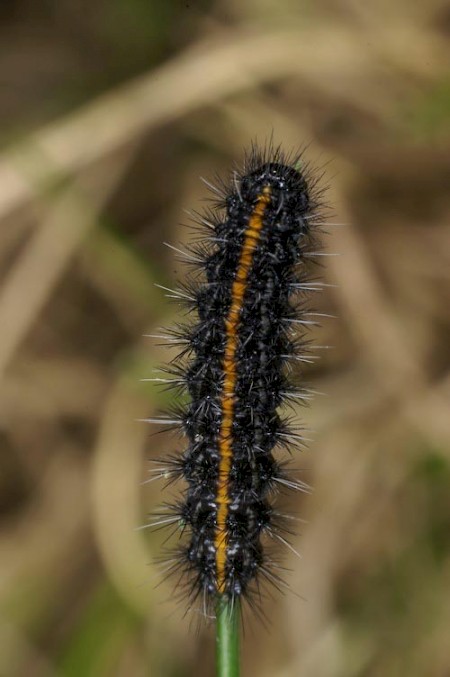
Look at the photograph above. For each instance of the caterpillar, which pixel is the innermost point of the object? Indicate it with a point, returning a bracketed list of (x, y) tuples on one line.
[(247, 289)]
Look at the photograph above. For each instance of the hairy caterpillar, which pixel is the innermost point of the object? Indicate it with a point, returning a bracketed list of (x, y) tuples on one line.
[(251, 277)]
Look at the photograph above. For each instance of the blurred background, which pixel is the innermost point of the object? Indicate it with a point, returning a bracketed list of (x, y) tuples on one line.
[(109, 114)]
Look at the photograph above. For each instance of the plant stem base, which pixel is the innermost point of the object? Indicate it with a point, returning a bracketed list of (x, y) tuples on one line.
[(227, 638)]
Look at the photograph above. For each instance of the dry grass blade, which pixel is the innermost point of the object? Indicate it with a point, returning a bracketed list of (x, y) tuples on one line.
[(46, 256)]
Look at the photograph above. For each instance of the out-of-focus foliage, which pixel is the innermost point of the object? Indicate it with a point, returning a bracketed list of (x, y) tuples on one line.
[(110, 112)]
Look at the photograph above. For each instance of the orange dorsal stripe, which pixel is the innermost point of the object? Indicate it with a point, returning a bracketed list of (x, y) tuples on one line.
[(230, 369)]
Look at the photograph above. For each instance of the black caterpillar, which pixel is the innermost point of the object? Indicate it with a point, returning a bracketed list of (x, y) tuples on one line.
[(250, 280)]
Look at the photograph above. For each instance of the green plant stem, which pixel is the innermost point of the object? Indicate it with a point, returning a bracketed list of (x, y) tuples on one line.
[(227, 638)]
